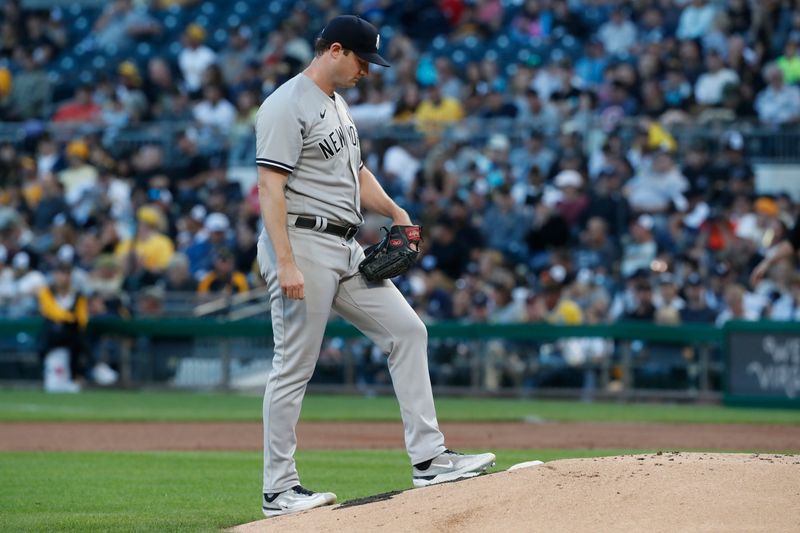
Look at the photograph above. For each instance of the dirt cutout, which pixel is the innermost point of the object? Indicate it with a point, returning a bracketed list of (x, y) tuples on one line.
[(665, 492)]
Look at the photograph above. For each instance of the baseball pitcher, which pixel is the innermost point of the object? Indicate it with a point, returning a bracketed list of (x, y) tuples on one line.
[(312, 185)]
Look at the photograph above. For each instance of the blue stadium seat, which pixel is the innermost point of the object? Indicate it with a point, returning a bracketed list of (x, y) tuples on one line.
[(208, 8), (241, 8)]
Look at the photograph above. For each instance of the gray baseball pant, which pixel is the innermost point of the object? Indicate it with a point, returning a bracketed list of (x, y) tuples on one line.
[(330, 270)]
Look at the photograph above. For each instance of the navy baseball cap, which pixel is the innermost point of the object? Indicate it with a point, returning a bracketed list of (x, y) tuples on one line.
[(355, 34)]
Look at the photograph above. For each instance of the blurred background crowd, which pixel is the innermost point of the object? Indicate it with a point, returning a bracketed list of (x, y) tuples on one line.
[(535, 141)]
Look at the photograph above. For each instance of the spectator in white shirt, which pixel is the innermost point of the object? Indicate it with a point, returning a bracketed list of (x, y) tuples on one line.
[(658, 184), (739, 305), (787, 306), (778, 103), (618, 35), (696, 20), (195, 57), (710, 85), (214, 111)]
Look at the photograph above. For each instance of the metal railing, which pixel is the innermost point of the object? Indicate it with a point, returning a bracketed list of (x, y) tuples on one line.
[(763, 144), (642, 360)]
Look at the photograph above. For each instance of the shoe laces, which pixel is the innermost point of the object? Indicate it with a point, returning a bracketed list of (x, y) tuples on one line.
[(299, 489), (452, 452)]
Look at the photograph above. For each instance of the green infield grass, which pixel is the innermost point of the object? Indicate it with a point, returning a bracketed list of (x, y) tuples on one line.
[(30, 405), (188, 491)]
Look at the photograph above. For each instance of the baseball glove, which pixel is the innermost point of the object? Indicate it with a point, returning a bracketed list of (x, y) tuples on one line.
[(395, 254)]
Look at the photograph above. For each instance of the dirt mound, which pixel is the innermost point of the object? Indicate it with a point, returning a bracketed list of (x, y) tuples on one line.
[(659, 492)]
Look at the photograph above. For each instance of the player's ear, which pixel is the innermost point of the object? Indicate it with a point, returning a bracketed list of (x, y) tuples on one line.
[(336, 50)]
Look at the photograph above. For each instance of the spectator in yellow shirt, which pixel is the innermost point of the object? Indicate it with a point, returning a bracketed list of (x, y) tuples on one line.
[(559, 309), (437, 111), (66, 314), (150, 249), (224, 278)]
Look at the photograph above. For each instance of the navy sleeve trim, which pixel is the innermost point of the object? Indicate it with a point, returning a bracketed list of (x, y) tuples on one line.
[(274, 164)]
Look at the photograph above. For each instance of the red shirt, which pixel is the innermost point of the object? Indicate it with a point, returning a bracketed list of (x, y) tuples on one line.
[(75, 112)]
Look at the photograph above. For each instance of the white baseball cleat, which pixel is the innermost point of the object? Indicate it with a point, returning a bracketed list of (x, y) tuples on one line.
[(450, 466), (295, 500)]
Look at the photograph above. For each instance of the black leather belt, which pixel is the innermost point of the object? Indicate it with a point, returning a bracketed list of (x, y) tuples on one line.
[(318, 224)]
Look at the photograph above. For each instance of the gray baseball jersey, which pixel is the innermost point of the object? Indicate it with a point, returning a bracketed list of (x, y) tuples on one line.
[(303, 131)]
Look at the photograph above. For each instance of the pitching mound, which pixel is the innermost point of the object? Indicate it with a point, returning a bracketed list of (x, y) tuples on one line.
[(660, 492)]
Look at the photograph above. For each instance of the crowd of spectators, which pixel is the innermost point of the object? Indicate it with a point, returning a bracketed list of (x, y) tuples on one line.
[(571, 203)]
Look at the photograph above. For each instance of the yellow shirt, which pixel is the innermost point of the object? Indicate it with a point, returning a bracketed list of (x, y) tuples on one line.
[(658, 137), (566, 313), (154, 252), (790, 66), (53, 308), (448, 110)]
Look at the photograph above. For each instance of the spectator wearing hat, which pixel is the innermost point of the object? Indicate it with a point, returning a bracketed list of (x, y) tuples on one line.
[(224, 278), (696, 310), (667, 295), (216, 229), (149, 252), (105, 278), (66, 315), (66, 256), (558, 308), (639, 249), (195, 57), (480, 308), (777, 103), (759, 226), (129, 91), (80, 177), (644, 309), (573, 201), (190, 227), (26, 282)]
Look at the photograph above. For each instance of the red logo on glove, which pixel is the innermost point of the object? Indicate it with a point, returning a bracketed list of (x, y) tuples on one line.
[(395, 242), (412, 233)]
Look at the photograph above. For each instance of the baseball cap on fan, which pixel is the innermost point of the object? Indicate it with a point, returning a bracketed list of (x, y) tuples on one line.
[(355, 34)]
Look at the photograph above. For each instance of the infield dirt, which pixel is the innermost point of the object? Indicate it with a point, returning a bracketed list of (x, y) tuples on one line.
[(663, 492)]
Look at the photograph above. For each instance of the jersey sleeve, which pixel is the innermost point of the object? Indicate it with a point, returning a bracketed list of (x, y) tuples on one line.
[(279, 136)]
